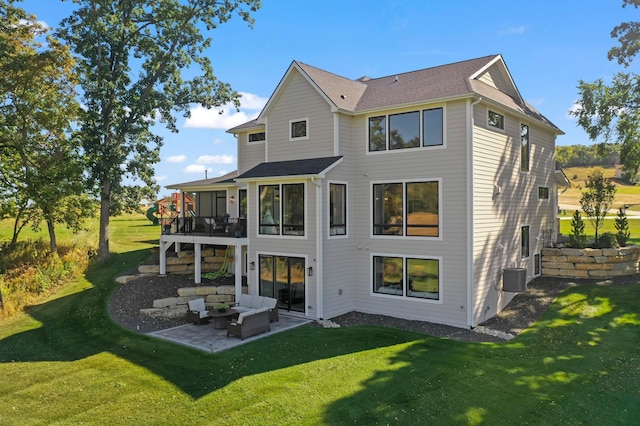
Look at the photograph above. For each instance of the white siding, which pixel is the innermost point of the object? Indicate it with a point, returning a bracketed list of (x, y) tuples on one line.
[(249, 154), (504, 200), (498, 77)]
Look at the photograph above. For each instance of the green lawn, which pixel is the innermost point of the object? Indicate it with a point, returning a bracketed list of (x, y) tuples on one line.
[(65, 362), (609, 226)]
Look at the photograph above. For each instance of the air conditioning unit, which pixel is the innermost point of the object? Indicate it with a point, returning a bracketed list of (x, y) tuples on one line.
[(515, 280)]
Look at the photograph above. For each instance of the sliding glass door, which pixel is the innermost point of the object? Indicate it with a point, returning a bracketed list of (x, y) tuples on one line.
[(282, 277)]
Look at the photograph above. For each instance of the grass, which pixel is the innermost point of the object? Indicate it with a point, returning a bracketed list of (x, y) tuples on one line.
[(65, 362), (625, 193), (609, 226)]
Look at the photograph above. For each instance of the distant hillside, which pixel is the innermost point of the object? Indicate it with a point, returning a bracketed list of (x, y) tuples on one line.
[(587, 155)]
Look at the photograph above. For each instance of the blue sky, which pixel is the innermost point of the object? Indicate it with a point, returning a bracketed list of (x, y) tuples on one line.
[(548, 45)]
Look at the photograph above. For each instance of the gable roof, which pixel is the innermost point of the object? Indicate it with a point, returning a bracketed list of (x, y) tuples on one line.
[(280, 169), (451, 81), (224, 180)]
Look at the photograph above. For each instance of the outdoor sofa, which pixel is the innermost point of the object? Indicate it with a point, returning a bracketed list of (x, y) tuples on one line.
[(250, 302), (250, 323)]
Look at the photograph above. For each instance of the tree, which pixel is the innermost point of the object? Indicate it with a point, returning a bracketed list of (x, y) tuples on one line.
[(596, 200), (577, 239), (131, 56), (622, 228), (41, 169), (610, 113)]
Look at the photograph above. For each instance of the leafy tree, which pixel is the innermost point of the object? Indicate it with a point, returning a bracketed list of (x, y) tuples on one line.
[(610, 113), (622, 228), (40, 167), (131, 56), (577, 239), (596, 200)]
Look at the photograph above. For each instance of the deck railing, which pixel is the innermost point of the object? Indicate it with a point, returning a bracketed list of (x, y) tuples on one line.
[(230, 227)]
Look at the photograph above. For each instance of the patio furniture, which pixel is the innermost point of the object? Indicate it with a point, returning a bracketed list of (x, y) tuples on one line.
[(197, 312), (250, 323), (221, 318), (249, 302)]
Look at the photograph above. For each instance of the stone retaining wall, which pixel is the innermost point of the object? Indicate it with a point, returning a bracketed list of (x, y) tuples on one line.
[(177, 306), (590, 263), (183, 263)]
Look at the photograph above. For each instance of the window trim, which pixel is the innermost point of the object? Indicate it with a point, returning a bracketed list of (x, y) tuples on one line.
[(404, 182), (256, 142), (298, 120), (420, 111), (403, 297), (537, 264), (520, 146), (548, 193), (491, 126), (346, 208), (280, 235)]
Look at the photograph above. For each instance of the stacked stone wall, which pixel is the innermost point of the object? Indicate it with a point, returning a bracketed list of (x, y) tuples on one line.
[(177, 306), (590, 263), (211, 261)]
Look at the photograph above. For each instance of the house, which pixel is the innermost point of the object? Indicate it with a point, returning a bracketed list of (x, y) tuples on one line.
[(406, 195)]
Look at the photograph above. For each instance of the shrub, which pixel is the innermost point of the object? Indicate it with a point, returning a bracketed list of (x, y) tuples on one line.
[(606, 240), (622, 228), (577, 239)]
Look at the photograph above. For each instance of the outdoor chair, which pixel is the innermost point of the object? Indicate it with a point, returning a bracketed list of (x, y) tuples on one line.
[(197, 312)]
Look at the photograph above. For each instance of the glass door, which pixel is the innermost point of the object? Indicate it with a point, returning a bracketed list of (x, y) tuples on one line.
[(282, 277)]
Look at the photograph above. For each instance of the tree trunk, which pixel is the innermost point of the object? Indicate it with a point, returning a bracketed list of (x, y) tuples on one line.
[(52, 236), (105, 204)]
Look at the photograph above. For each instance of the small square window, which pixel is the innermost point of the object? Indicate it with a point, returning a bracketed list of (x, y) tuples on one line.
[(299, 129), (495, 120), (543, 193)]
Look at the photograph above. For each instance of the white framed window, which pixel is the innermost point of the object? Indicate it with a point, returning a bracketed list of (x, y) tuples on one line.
[(337, 209), (407, 208), (524, 242), (257, 137), (406, 276), (495, 120), (407, 130), (299, 129), (543, 193), (282, 209), (537, 264), (525, 148)]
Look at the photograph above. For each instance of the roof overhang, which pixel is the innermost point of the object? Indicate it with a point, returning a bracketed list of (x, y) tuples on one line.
[(561, 178), (290, 170)]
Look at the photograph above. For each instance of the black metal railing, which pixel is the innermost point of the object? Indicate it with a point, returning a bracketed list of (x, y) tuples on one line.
[(231, 227)]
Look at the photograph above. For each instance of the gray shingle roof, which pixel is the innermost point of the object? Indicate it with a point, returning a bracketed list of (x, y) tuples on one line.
[(228, 178), (306, 167)]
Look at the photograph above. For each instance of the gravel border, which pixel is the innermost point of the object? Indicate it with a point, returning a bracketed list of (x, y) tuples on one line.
[(524, 309)]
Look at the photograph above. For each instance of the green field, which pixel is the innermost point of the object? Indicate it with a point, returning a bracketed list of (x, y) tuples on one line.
[(65, 362)]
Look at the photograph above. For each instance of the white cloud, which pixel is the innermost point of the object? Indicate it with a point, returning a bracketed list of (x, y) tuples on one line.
[(195, 168), (176, 159), (218, 141), (251, 101), (512, 30), (226, 116), (161, 178), (215, 159), (575, 108)]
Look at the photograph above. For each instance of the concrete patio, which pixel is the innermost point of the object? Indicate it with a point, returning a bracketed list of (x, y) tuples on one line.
[(206, 338)]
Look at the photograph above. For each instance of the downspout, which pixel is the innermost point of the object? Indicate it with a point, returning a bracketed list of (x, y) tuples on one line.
[(318, 268), (470, 201)]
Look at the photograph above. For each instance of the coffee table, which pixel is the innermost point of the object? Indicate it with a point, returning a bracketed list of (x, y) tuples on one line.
[(220, 318)]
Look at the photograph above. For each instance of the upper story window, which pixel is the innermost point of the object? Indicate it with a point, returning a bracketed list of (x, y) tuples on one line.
[(257, 137), (543, 192), (299, 129), (407, 209), (524, 148), (337, 209), (406, 130), (495, 120), (285, 198)]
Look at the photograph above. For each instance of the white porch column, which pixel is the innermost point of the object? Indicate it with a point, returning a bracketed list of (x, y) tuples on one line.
[(237, 262), (197, 263), (163, 257)]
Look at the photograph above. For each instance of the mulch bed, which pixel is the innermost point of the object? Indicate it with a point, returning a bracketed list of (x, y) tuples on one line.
[(520, 313)]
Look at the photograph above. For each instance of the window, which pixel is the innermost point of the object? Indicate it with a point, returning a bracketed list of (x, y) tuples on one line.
[(291, 204), (337, 209), (407, 130), (410, 208), (495, 120), (298, 129), (404, 130), (537, 266), (524, 148), (257, 137), (543, 193), (242, 203), (524, 242), (406, 277), (432, 123)]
